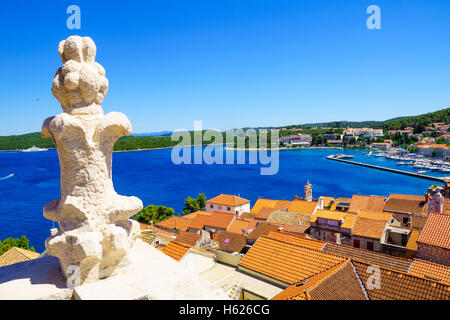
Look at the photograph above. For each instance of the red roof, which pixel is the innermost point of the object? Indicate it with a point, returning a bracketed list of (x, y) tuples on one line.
[(436, 231), (215, 220)]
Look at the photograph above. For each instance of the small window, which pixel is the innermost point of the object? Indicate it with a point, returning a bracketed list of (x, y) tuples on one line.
[(211, 206), (228, 208), (370, 245), (405, 220), (356, 243)]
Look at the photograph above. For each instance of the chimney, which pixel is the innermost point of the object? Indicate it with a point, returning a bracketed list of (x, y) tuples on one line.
[(321, 203), (338, 238)]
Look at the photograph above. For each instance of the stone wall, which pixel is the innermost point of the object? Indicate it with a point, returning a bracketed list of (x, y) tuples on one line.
[(434, 254)]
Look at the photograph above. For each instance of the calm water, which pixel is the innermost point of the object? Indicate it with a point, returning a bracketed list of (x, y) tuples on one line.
[(151, 176)]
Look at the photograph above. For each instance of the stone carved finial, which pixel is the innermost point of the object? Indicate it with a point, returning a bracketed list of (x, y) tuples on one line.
[(95, 232)]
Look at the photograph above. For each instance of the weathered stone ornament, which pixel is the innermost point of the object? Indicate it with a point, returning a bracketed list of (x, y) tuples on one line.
[(95, 232)]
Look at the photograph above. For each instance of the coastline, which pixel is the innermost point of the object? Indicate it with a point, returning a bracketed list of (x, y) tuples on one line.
[(226, 148)]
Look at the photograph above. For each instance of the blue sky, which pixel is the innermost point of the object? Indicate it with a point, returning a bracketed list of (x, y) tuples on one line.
[(233, 63)]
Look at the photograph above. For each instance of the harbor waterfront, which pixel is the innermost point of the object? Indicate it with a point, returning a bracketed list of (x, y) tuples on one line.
[(418, 175), (153, 177)]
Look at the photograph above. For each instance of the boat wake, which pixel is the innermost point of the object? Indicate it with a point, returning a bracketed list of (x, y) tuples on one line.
[(7, 177)]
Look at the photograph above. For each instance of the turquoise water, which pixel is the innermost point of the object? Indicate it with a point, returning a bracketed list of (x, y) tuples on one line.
[(32, 178)]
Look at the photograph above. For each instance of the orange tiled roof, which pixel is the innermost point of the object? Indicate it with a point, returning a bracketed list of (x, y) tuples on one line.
[(347, 218), (367, 203), (379, 215), (263, 228), (302, 206), (297, 240), (269, 203), (238, 225), (215, 220), (337, 283), (229, 241), (15, 255), (395, 285), (199, 222), (228, 200), (430, 270), (175, 223), (195, 214), (175, 250), (374, 258), (264, 213), (436, 231), (286, 262), (412, 240), (404, 203), (188, 238), (369, 228)]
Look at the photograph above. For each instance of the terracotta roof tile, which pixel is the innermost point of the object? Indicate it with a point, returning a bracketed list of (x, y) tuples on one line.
[(395, 285), (188, 238), (367, 203), (430, 270), (369, 228), (337, 283), (402, 203), (289, 218), (264, 213), (175, 250), (15, 255), (239, 225), (147, 237), (247, 215), (375, 215), (195, 214), (297, 240), (262, 228), (215, 220), (230, 242), (436, 231), (286, 262), (374, 258), (228, 200), (175, 223), (412, 240), (302, 206), (348, 219)]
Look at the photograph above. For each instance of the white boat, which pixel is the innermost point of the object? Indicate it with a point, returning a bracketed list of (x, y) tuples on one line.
[(34, 149), (422, 171), (402, 163), (370, 153)]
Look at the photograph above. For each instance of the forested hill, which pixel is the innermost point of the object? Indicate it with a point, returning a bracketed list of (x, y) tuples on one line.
[(24, 141), (417, 122)]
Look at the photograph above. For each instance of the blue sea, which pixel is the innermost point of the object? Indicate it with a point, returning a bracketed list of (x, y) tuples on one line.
[(28, 180)]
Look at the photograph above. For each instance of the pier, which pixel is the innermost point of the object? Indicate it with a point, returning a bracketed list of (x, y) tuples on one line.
[(417, 175)]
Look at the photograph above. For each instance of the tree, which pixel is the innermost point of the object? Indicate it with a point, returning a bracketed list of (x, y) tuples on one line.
[(192, 204), (154, 213), (434, 153), (10, 242)]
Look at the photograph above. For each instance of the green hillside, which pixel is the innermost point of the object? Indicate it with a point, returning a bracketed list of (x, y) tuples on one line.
[(25, 141)]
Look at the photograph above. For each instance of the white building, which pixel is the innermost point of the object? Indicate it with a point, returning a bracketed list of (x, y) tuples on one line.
[(228, 203)]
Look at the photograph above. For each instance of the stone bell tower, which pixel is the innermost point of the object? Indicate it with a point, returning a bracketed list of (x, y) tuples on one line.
[(307, 192)]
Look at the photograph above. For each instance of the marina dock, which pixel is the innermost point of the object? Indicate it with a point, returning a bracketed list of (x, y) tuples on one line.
[(418, 175)]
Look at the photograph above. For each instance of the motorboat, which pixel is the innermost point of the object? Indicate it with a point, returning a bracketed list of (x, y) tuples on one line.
[(34, 149)]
